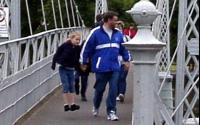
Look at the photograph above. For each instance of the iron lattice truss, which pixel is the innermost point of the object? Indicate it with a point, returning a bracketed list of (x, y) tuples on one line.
[(4, 3), (161, 31), (186, 98), (188, 62), (101, 7)]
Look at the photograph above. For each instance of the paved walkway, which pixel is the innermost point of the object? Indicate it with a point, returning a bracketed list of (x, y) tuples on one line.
[(51, 112)]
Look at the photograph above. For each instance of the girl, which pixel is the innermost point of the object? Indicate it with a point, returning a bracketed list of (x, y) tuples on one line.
[(67, 56)]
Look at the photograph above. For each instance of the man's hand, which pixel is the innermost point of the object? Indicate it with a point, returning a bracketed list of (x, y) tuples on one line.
[(126, 65), (83, 67)]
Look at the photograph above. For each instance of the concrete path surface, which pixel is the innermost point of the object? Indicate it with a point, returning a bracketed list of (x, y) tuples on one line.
[(51, 111)]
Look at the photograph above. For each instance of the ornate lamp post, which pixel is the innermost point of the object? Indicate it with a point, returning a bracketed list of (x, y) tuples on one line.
[(144, 47)]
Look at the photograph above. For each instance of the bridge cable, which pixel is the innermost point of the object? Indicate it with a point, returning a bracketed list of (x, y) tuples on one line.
[(67, 10), (44, 17), (72, 9), (54, 14), (77, 15), (60, 11), (29, 18)]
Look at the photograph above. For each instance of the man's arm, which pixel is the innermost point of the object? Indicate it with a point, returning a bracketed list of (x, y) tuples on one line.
[(126, 57), (87, 50)]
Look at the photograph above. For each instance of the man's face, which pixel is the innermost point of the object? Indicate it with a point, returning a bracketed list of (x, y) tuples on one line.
[(112, 22)]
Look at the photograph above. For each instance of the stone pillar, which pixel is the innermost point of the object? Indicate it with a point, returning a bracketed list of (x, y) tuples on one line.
[(144, 48)]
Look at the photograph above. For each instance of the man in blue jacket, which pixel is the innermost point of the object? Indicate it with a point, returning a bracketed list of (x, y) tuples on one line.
[(103, 46)]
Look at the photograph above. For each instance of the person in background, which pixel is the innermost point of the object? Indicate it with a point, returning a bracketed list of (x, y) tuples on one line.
[(131, 31), (99, 21), (67, 56), (122, 81), (123, 70), (103, 46), (120, 26), (83, 77)]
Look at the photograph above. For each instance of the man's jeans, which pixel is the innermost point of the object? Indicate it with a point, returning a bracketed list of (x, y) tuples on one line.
[(101, 81)]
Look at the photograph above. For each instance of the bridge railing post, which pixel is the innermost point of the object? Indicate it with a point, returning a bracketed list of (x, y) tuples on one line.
[(144, 48), (15, 19)]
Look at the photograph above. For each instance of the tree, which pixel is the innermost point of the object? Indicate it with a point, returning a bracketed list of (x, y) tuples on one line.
[(87, 11), (34, 15), (120, 6)]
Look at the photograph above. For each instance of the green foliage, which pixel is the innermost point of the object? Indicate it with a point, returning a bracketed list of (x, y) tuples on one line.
[(121, 6), (37, 21), (35, 16), (87, 10)]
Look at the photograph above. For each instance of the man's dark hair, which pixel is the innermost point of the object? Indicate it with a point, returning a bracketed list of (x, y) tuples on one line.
[(109, 15)]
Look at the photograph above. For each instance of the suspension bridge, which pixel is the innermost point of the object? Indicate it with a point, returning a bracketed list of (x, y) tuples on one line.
[(30, 90)]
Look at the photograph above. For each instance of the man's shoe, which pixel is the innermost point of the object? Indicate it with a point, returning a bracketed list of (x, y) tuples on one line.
[(121, 97), (112, 116), (95, 112), (66, 108), (74, 107), (117, 99)]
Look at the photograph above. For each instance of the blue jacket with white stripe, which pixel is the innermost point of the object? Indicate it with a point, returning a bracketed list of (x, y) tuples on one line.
[(104, 51)]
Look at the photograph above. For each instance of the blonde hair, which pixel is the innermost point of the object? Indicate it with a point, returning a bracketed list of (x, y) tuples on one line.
[(74, 34)]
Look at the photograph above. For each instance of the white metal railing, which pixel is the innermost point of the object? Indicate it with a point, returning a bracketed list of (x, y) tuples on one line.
[(25, 73), (17, 55), (26, 76)]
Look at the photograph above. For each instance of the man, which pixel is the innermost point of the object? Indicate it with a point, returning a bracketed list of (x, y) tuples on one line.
[(103, 46), (123, 71)]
